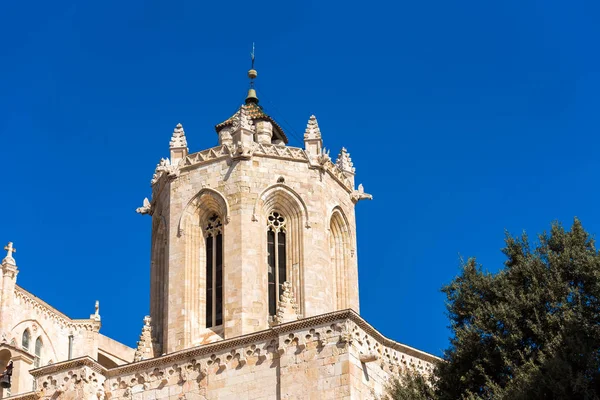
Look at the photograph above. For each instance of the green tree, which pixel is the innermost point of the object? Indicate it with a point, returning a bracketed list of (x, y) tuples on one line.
[(530, 331), (410, 385)]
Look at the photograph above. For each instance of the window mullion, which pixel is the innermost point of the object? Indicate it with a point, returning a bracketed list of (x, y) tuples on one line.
[(276, 268)]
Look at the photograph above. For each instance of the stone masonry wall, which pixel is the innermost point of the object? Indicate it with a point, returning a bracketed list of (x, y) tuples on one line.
[(314, 358), (27, 312), (248, 189)]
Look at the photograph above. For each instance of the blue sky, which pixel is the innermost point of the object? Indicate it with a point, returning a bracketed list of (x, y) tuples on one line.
[(463, 119)]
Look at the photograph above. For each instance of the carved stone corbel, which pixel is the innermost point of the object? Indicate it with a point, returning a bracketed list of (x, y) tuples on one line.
[(358, 195), (146, 208), (367, 358)]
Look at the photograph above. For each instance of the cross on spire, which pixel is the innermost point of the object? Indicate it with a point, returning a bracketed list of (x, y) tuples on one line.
[(96, 315), (9, 249)]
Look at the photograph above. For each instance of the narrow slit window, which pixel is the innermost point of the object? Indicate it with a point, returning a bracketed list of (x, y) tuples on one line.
[(219, 281), (214, 272), (271, 257), (70, 355), (26, 339), (276, 257), (37, 361)]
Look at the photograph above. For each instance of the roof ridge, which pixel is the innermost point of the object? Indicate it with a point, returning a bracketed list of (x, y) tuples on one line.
[(255, 112)]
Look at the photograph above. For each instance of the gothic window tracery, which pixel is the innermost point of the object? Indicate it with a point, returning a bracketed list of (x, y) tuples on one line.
[(277, 260), (25, 340), (214, 271)]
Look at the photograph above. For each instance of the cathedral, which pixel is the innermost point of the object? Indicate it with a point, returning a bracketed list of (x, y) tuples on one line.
[(253, 289)]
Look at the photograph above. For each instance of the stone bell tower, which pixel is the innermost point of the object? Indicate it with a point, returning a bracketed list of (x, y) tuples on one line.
[(249, 233)]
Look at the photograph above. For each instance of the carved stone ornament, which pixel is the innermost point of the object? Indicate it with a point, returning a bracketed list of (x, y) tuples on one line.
[(242, 151), (81, 383), (287, 309), (96, 315), (225, 136), (344, 162), (241, 120), (164, 167), (145, 346), (323, 158), (9, 254), (369, 357), (358, 195), (146, 207), (178, 139), (32, 302), (346, 334), (312, 129)]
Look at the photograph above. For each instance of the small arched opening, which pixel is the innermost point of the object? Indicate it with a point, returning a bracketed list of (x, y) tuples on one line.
[(37, 360), (26, 340)]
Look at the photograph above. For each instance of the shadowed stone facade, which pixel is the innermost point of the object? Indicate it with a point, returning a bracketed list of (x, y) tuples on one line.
[(254, 283)]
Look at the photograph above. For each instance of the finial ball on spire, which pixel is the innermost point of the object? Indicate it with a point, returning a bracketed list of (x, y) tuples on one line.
[(252, 74)]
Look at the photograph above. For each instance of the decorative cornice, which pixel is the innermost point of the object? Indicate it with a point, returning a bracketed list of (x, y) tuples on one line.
[(24, 396), (267, 151), (85, 361), (271, 333), (336, 173), (341, 328), (164, 167), (17, 352), (60, 318)]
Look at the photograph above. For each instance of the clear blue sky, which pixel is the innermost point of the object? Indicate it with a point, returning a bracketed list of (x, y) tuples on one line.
[(463, 119)]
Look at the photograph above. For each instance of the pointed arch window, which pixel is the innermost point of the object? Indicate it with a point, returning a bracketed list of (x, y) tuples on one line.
[(339, 242), (276, 250), (214, 271), (37, 361), (25, 340)]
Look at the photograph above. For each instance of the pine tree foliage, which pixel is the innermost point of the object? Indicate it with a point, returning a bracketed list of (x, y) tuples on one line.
[(531, 331), (410, 385)]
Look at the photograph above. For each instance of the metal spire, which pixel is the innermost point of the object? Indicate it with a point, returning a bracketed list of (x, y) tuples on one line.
[(252, 74)]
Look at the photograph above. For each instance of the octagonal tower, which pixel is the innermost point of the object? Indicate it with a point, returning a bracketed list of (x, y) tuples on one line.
[(250, 233)]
